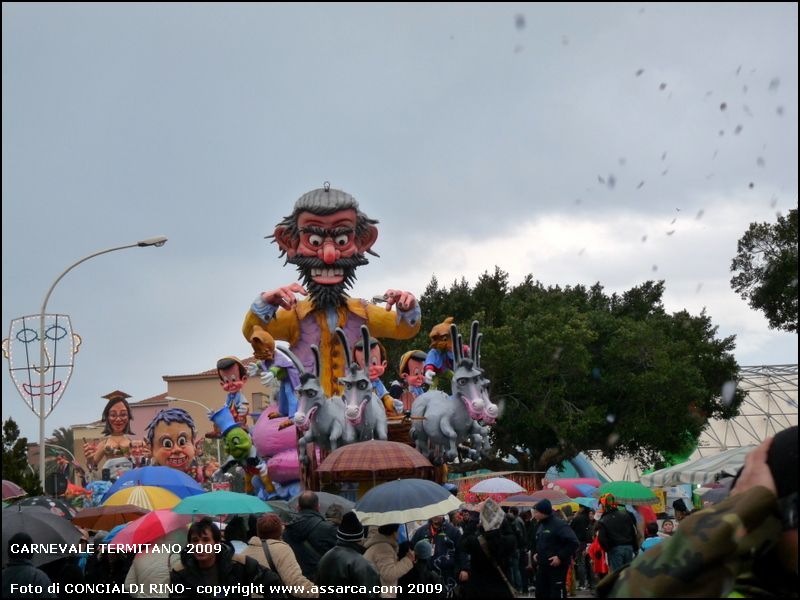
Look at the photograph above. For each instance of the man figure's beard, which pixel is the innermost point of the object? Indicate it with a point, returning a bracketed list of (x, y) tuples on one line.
[(328, 295)]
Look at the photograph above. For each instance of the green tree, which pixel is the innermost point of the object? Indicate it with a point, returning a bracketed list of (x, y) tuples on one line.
[(765, 270), (64, 437), (15, 460), (578, 369)]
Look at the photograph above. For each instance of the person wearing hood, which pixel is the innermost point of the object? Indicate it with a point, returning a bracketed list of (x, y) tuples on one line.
[(382, 550), (200, 568), (310, 535), (345, 565), (556, 544)]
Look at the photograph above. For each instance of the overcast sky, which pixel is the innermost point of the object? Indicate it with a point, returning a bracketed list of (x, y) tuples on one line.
[(580, 143)]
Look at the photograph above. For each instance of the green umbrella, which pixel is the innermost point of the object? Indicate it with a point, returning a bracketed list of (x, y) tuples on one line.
[(627, 492), (221, 502)]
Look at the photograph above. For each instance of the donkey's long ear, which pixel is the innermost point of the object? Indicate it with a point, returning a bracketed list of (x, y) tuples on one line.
[(365, 341), (317, 361), (343, 341), (290, 355), (456, 345), (477, 357), (473, 340)]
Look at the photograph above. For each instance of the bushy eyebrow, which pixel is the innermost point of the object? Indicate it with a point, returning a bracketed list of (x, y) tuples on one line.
[(313, 229)]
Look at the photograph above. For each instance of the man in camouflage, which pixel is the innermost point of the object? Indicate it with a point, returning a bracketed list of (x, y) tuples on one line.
[(744, 546)]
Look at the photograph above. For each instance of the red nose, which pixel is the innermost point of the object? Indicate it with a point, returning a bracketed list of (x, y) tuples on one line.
[(328, 253)]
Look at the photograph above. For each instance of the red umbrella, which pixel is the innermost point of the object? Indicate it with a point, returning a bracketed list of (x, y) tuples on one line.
[(12, 490), (375, 460), (151, 527)]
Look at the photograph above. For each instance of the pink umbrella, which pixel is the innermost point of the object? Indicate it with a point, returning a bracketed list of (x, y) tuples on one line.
[(12, 490), (152, 526)]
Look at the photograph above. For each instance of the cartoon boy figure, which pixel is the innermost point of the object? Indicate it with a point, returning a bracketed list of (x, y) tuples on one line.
[(232, 377), (376, 368), (170, 437), (275, 367), (412, 372)]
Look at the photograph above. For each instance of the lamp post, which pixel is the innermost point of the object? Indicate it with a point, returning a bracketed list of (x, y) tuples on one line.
[(209, 410), (155, 241)]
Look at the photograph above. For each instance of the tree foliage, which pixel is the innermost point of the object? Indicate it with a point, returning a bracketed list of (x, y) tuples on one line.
[(15, 460), (578, 369), (765, 270)]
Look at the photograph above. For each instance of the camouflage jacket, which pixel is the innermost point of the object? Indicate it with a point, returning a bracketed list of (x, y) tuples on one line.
[(725, 550)]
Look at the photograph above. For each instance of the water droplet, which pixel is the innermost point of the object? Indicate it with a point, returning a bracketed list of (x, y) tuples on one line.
[(639, 72), (564, 40), (641, 183), (644, 238), (622, 161), (723, 106), (779, 110), (760, 161), (728, 392), (596, 373), (721, 132), (612, 439), (611, 182), (699, 287), (664, 155), (610, 417), (700, 214), (662, 87), (518, 48), (774, 202), (738, 130), (751, 185), (655, 268), (577, 200), (519, 21), (582, 250), (774, 83)]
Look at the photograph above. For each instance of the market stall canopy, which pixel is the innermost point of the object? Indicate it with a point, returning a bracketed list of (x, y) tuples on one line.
[(701, 470)]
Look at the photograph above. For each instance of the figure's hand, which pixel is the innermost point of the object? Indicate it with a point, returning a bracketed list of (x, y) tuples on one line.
[(410, 554), (252, 369), (756, 471), (404, 300), (554, 561), (284, 296), (267, 377), (429, 375)]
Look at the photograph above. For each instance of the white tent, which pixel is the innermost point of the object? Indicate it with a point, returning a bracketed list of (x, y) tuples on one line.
[(701, 470)]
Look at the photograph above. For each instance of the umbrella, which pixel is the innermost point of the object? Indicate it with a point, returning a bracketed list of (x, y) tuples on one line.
[(554, 496), (221, 503), (374, 460), (107, 516), (588, 502), (403, 501), (520, 500), (496, 485), (12, 490), (325, 501), (177, 482), (586, 490), (573, 486), (145, 496), (284, 511), (627, 492), (43, 526), (54, 505), (152, 526)]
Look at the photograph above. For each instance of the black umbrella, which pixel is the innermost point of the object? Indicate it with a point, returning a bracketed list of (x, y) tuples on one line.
[(43, 526), (54, 505)]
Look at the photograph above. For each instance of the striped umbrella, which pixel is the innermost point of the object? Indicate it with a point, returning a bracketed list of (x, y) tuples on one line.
[(152, 526), (177, 482), (403, 501), (145, 496)]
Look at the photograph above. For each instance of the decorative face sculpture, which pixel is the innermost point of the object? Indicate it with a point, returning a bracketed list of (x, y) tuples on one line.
[(440, 336), (173, 446), (117, 418), (238, 443), (22, 349), (232, 379), (414, 374), (377, 359)]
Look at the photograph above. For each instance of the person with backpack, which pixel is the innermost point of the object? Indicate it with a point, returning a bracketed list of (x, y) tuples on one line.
[(274, 554), (310, 535)]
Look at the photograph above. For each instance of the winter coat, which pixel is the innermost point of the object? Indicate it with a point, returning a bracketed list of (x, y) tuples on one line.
[(285, 564), (420, 574), (22, 572), (310, 536), (231, 569), (485, 580), (618, 528), (444, 541), (382, 552), (583, 527), (345, 565), (555, 538)]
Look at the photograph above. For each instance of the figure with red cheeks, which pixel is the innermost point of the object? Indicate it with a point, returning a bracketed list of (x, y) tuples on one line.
[(170, 437), (327, 238), (440, 358), (116, 443), (376, 368), (412, 372), (232, 377)]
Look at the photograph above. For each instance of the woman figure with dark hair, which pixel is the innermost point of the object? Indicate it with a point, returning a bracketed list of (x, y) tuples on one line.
[(116, 443)]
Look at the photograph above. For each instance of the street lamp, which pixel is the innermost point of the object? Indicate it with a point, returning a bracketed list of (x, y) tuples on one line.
[(209, 410), (154, 241)]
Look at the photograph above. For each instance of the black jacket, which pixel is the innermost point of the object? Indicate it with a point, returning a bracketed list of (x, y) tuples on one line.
[(22, 572), (231, 569), (555, 538), (618, 528), (345, 565), (484, 577), (583, 527), (310, 536), (445, 541)]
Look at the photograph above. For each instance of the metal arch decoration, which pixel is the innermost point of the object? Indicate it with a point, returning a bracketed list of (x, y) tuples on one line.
[(21, 348)]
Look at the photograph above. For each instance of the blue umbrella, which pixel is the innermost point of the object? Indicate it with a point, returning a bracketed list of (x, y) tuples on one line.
[(587, 502), (113, 533), (403, 501), (177, 482), (586, 489)]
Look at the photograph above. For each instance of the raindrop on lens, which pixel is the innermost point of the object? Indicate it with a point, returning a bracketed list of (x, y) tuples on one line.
[(611, 418), (728, 392)]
